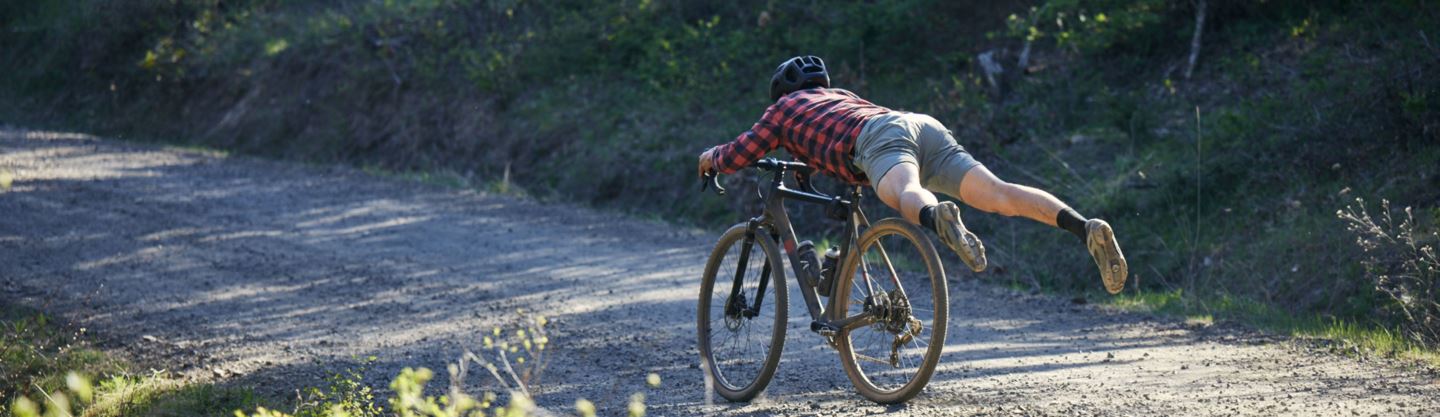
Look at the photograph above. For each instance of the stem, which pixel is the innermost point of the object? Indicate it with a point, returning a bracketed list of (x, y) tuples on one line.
[(51, 400), (486, 364), (1195, 248), (505, 360)]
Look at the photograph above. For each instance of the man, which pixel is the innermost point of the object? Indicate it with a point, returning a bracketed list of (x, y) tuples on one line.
[(908, 156)]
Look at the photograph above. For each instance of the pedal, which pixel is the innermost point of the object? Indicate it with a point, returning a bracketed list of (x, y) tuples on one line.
[(824, 329)]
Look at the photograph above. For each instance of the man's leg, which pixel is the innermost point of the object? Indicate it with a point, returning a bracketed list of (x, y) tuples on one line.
[(901, 190), (980, 188), (885, 151)]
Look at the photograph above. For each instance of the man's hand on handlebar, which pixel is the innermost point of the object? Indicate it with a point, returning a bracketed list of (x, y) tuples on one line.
[(708, 175), (707, 162)]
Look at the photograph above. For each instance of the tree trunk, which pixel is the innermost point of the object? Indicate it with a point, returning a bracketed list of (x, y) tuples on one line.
[(1200, 7)]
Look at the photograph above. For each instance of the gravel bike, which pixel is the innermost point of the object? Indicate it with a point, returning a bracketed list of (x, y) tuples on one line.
[(879, 299)]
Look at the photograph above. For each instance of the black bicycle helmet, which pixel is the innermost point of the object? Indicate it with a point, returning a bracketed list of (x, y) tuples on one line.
[(798, 73)]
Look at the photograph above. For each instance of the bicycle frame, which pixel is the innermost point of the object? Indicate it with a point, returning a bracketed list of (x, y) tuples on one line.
[(860, 300), (827, 320)]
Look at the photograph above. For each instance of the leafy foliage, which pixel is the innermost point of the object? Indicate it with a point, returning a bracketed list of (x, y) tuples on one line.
[(1092, 26)]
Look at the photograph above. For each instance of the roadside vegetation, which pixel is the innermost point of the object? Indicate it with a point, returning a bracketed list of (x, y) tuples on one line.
[(1222, 155), (53, 367), (56, 372)]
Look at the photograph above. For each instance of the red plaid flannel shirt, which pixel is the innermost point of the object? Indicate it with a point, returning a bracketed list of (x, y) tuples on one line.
[(818, 126)]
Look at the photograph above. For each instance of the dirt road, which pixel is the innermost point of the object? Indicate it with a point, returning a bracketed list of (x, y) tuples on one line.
[(272, 274)]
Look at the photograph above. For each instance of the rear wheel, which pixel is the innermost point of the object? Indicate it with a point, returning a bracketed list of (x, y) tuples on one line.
[(894, 275), (739, 344)]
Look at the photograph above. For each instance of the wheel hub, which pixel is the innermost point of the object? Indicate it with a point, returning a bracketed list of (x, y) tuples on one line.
[(892, 312), (734, 312), (899, 315)]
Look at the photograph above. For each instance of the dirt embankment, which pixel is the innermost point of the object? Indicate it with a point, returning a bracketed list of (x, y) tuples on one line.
[(270, 275)]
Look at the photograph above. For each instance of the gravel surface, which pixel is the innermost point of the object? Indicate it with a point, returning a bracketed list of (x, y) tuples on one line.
[(273, 275)]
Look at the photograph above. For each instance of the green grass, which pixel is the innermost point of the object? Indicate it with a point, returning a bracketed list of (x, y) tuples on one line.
[(1353, 337), (36, 352), (37, 355)]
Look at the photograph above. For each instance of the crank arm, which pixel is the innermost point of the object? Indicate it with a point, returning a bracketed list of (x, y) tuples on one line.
[(855, 321)]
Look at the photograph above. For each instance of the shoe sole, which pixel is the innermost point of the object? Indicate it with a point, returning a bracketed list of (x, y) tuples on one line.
[(972, 250), (1114, 271)]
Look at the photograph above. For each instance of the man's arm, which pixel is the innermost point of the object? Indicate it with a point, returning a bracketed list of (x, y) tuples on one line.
[(750, 146)]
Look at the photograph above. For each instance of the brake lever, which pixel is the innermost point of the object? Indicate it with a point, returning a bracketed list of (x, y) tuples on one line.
[(712, 179)]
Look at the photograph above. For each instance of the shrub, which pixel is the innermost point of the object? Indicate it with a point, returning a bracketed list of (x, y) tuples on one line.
[(1400, 262)]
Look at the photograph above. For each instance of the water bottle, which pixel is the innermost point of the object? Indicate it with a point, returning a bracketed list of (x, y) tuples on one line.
[(827, 270), (809, 262)]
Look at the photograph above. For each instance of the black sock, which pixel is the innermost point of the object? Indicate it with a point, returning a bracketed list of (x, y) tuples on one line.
[(927, 216), (1069, 220)]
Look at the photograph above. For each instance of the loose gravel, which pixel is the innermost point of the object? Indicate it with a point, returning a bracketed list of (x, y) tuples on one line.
[(273, 275)]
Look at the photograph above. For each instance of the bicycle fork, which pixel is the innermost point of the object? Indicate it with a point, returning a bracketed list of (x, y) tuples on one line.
[(737, 305)]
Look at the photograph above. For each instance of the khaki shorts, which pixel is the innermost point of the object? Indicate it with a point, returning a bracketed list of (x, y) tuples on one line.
[(891, 139)]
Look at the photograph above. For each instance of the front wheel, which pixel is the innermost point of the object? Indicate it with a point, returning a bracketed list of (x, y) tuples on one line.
[(894, 279), (741, 315)]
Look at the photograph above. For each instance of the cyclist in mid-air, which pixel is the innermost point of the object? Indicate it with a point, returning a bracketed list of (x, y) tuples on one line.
[(911, 155)]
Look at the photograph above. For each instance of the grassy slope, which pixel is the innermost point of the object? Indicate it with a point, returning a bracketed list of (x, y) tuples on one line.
[(1297, 111), (1302, 106)]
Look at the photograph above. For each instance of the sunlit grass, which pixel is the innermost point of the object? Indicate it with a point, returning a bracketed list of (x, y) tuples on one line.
[(50, 366), (1352, 336)]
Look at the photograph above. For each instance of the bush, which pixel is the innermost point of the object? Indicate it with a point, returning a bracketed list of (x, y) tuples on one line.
[(1400, 262)]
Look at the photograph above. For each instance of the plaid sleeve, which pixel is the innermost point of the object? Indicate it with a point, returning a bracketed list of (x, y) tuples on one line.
[(749, 146)]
